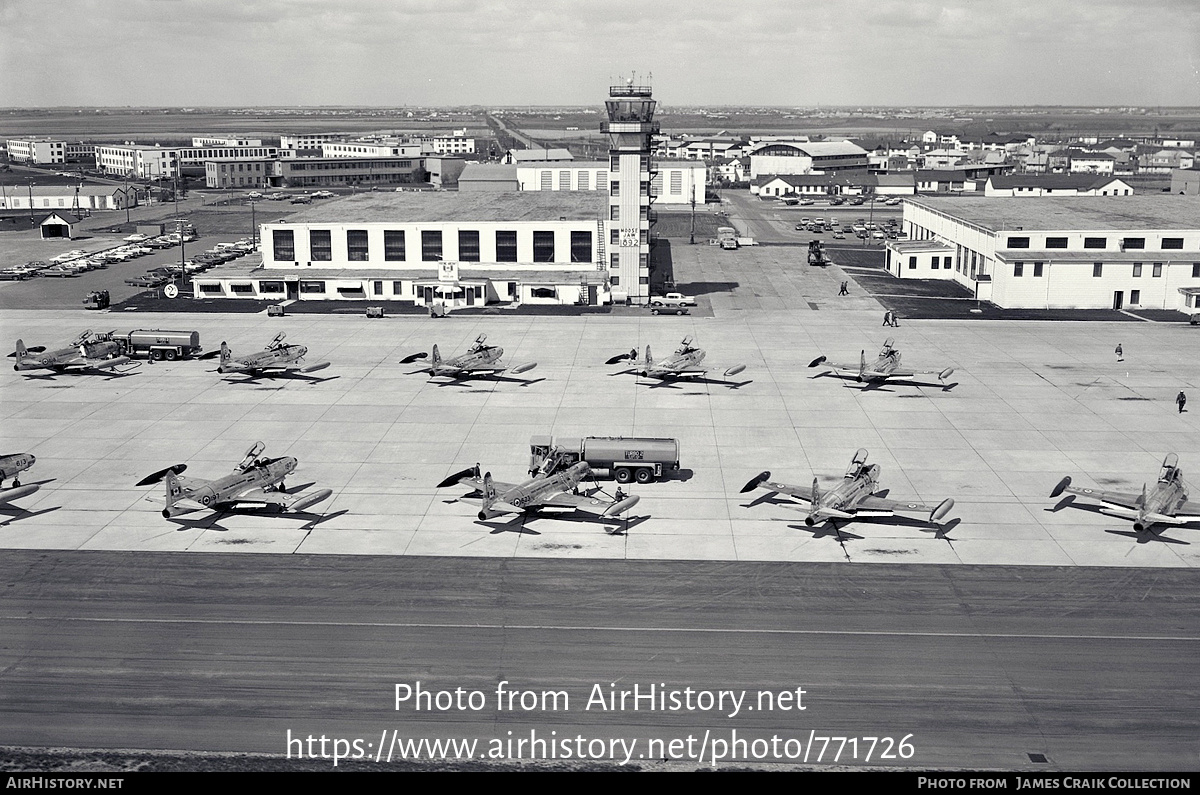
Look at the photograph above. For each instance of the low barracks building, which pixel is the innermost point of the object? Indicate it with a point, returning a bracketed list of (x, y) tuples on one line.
[(463, 250), (1035, 253)]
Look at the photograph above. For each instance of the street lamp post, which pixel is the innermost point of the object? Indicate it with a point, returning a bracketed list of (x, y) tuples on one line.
[(253, 225), (31, 202)]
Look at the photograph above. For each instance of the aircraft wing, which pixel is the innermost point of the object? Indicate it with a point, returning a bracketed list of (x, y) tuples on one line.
[(1121, 498), (580, 502), (477, 484), (877, 506), (840, 368), (804, 494), (1190, 510), (285, 501)]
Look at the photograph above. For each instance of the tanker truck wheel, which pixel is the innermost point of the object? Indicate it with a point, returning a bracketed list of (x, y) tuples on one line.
[(623, 475), (156, 355), (644, 475), (171, 355)]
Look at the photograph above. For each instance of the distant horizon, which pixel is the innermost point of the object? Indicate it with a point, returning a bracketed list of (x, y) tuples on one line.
[(596, 106)]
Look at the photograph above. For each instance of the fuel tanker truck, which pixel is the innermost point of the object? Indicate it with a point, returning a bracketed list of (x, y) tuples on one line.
[(626, 458)]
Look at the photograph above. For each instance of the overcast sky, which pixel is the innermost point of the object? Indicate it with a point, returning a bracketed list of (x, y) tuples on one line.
[(540, 52)]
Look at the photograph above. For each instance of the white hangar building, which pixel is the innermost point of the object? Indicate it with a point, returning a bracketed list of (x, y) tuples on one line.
[(424, 247), (1046, 253)]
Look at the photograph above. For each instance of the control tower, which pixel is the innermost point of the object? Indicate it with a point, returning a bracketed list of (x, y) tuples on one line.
[(629, 127)]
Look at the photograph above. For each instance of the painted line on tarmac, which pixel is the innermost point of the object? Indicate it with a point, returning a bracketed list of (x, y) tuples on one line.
[(598, 628)]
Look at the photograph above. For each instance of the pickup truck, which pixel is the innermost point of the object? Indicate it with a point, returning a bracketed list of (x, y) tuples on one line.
[(672, 299)]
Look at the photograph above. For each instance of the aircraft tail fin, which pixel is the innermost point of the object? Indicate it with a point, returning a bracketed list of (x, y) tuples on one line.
[(862, 363), (489, 498), (174, 495), (649, 363), (21, 352), (226, 354), (436, 357), (814, 506)]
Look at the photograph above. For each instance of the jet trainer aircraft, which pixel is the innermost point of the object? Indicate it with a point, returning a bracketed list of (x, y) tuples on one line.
[(278, 358), (684, 363), (87, 353), (885, 366), (1164, 504), (11, 466), (855, 497), (481, 360), (255, 483), (542, 491)]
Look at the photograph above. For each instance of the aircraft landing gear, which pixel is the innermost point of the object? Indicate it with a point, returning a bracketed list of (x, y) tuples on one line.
[(16, 482)]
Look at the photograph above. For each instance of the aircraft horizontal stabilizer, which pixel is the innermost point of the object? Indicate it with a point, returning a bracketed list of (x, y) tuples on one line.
[(470, 472), (307, 500), (817, 362), (941, 510), (522, 368), (621, 507), (312, 368), (414, 357), (737, 368), (756, 481), (160, 474), (16, 493), (1061, 487)]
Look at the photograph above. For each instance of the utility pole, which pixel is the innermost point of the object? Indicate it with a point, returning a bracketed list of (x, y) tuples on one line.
[(253, 224), (692, 235), (31, 202)]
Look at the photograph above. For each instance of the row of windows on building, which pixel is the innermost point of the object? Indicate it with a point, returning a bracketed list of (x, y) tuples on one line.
[(257, 167), (351, 163), (320, 246), (1125, 243), (1156, 268)]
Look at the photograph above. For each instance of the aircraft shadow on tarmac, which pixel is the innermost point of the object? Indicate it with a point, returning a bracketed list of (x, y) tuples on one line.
[(683, 383), (211, 522), (852, 382), (1144, 537), (473, 381), (11, 512), (519, 524), (839, 532), (241, 378)]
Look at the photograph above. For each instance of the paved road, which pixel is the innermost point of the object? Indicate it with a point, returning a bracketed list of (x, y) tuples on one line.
[(1095, 668)]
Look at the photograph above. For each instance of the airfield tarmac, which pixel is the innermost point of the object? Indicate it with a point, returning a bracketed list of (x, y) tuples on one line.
[(1032, 402)]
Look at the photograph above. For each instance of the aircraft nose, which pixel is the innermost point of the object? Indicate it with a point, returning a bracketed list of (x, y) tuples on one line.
[(32, 460)]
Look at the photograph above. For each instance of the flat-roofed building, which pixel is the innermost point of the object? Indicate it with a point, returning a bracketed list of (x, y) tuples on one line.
[(1086, 252), (460, 249), (137, 160), (488, 177), (224, 140), (36, 151), (370, 149), (194, 159), (303, 172), (238, 173)]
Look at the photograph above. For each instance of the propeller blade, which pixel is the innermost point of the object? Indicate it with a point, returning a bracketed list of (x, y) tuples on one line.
[(756, 481), (160, 474)]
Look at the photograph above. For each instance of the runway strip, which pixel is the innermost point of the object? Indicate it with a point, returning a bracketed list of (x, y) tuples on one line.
[(982, 666)]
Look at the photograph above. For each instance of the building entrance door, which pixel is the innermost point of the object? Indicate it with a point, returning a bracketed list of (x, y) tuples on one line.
[(1118, 299)]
